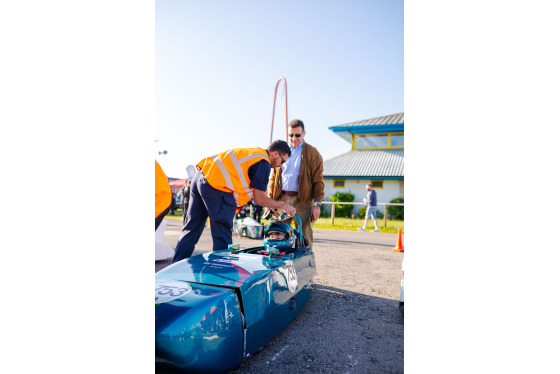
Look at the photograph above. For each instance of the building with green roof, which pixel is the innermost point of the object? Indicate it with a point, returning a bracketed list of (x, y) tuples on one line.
[(376, 157)]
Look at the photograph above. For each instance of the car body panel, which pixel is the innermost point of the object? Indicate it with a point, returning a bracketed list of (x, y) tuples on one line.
[(264, 283), (264, 330), (259, 294), (198, 328)]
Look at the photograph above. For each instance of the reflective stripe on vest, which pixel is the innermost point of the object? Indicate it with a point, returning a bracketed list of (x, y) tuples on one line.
[(238, 172)]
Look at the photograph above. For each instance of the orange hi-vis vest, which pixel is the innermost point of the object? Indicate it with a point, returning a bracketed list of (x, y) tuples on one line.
[(229, 171), (163, 191)]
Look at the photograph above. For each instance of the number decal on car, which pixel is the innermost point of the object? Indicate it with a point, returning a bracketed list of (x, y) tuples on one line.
[(167, 290), (291, 276)]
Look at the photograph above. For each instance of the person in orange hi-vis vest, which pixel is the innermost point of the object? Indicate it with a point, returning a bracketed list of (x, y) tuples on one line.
[(163, 195), (222, 185)]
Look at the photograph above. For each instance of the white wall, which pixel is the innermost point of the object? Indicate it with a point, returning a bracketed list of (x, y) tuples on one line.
[(391, 190)]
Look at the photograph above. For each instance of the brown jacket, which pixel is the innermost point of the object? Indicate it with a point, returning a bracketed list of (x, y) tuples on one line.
[(310, 182)]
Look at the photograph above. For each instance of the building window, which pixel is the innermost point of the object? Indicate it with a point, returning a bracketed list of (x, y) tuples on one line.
[(397, 140), (338, 183), (371, 141), (377, 184)]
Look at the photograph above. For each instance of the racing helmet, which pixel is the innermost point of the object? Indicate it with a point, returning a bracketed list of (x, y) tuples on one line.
[(276, 246)]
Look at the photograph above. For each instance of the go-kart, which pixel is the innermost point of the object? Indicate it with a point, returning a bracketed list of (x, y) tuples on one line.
[(216, 309), (248, 227)]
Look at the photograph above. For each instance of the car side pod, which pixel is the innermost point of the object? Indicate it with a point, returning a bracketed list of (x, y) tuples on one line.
[(198, 328)]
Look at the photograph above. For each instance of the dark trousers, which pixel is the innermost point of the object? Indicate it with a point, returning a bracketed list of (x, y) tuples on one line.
[(185, 204), (205, 201), (257, 215)]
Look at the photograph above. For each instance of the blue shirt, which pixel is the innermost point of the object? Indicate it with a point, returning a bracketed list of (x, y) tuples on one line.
[(290, 169), (371, 198), (258, 173)]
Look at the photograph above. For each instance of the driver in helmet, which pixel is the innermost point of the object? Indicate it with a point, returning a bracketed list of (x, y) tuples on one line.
[(279, 238), (276, 235)]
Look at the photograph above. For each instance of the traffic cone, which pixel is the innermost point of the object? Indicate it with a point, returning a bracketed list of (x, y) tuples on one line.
[(399, 247)]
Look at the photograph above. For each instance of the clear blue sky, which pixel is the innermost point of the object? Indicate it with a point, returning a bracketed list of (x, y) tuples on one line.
[(217, 63)]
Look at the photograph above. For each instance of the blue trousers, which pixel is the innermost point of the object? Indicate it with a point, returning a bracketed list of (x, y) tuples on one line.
[(206, 201)]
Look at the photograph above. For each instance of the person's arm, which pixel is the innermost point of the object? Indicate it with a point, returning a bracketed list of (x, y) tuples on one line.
[(316, 211), (259, 175), (261, 199)]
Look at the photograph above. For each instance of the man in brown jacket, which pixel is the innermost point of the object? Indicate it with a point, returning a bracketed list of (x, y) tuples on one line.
[(299, 182)]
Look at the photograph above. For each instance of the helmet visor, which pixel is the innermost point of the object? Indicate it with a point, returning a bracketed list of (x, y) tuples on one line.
[(276, 235)]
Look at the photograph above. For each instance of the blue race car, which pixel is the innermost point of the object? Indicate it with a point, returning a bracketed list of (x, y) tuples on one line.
[(216, 309)]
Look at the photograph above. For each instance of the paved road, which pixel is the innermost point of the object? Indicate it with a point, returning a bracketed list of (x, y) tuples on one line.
[(351, 323)]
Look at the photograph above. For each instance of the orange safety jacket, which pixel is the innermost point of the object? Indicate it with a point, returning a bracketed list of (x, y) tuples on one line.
[(163, 191), (228, 171)]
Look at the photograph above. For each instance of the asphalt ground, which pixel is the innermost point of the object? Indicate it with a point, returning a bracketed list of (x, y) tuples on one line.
[(351, 323)]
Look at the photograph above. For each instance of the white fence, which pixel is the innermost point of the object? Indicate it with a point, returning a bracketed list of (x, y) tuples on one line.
[(333, 203)]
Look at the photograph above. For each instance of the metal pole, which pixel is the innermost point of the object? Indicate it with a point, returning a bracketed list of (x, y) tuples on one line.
[(332, 214), (274, 106)]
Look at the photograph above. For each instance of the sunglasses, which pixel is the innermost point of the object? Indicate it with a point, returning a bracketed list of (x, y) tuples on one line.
[(296, 135)]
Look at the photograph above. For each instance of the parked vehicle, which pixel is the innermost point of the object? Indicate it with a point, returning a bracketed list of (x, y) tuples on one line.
[(217, 309), (248, 227)]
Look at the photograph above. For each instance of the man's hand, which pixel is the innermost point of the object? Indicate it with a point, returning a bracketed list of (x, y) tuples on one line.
[(289, 209), (315, 212), (260, 198)]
